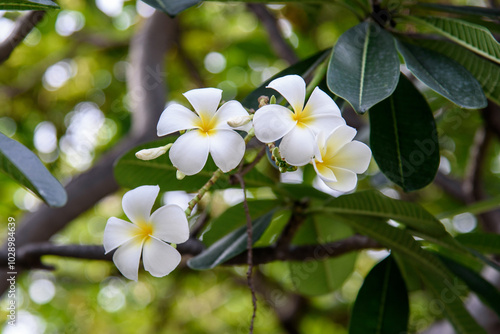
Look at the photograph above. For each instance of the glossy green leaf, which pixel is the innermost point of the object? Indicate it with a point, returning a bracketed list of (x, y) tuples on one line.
[(314, 278), (446, 298), (302, 68), (396, 239), (364, 68), (172, 7), (28, 5), (231, 245), (299, 191), (488, 243), (486, 72), (382, 303), (484, 289), (23, 166), (434, 273), (131, 172), (235, 217), (465, 10), (472, 36), (374, 204), (403, 138), (443, 75)]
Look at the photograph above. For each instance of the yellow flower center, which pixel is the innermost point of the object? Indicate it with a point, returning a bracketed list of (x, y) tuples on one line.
[(146, 229), (302, 117), (206, 123)]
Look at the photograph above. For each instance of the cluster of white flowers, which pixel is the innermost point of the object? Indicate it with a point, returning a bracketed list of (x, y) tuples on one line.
[(312, 133)]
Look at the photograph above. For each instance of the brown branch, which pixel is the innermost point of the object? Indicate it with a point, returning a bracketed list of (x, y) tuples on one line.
[(269, 254), (22, 28), (281, 48), (31, 254), (147, 91)]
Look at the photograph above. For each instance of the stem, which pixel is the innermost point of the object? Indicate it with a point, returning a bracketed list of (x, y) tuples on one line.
[(206, 187), (318, 76), (218, 173)]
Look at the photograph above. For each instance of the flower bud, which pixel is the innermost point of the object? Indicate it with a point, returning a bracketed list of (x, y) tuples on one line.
[(238, 121), (152, 153), (180, 175)]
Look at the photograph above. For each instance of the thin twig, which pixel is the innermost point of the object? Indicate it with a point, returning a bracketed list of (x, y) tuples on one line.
[(249, 248)]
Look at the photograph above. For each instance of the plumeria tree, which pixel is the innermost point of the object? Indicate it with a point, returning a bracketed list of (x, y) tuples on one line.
[(361, 145)]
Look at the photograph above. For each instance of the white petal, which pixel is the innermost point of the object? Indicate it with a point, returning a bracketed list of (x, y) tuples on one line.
[(170, 224), (160, 258), (346, 180), (354, 156), (272, 122), (190, 152), (117, 232), (298, 146), (292, 88), (227, 149), (137, 203), (325, 173), (176, 118), (230, 110), (204, 100), (324, 123), (127, 257), (320, 103), (337, 139)]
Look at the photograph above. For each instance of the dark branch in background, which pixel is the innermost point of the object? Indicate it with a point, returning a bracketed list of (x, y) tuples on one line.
[(22, 28), (30, 254), (277, 41), (191, 67), (147, 92), (285, 239)]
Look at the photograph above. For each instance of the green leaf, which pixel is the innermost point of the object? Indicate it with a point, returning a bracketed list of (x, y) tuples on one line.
[(486, 72), (484, 289), (443, 75), (314, 278), (374, 204), (474, 37), (302, 68), (403, 138), (299, 191), (465, 10), (231, 245), (23, 166), (447, 293), (172, 7), (433, 272), (28, 5), (364, 68), (488, 243), (235, 217), (131, 172), (382, 303)]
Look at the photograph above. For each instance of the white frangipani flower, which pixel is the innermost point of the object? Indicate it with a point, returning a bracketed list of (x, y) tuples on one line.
[(211, 133), (340, 158), (300, 127), (147, 235)]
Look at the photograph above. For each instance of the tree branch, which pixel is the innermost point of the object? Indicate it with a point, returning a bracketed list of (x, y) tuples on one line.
[(22, 28), (29, 255), (281, 48)]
